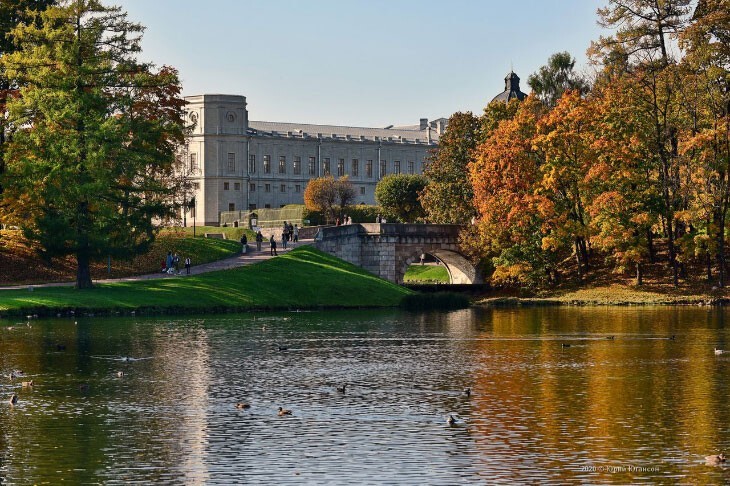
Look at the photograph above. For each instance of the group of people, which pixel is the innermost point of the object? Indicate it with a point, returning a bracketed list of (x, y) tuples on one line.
[(171, 264), (345, 220), (289, 233)]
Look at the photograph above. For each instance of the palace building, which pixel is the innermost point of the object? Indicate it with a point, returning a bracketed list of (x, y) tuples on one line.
[(240, 164)]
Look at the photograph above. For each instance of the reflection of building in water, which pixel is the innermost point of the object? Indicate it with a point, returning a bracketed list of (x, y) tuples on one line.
[(181, 381)]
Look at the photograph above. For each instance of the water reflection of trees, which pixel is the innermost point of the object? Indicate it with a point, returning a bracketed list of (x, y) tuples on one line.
[(631, 400)]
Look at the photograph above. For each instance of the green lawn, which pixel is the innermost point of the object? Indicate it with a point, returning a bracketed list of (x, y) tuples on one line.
[(303, 278), (426, 274)]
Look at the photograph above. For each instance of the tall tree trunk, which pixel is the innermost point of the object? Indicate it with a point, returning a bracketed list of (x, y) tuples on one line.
[(721, 256), (650, 245), (584, 253), (578, 258), (83, 250), (709, 267), (83, 270)]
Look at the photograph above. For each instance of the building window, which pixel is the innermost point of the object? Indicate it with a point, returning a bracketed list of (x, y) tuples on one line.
[(297, 188), (326, 166), (282, 188), (396, 167), (252, 187), (410, 167), (231, 162), (362, 190), (237, 186), (252, 163), (297, 167), (267, 187), (312, 165), (340, 167), (383, 168), (369, 169), (282, 164), (231, 206), (267, 206), (194, 163), (267, 164), (226, 186), (251, 207), (355, 167), (196, 185)]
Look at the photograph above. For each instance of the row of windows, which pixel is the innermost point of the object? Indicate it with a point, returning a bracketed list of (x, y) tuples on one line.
[(311, 166), (267, 187)]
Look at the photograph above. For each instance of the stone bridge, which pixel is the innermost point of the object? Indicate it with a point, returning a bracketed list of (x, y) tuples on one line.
[(388, 249)]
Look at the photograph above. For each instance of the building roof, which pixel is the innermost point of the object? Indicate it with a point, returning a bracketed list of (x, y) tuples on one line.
[(511, 89), (306, 130)]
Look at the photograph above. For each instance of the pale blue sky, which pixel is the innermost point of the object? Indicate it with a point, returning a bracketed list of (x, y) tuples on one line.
[(360, 62)]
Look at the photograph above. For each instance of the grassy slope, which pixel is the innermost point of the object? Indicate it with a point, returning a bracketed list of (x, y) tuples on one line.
[(20, 265), (426, 273), (303, 278)]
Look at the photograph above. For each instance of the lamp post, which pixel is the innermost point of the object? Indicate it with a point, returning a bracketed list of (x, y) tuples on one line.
[(191, 206)]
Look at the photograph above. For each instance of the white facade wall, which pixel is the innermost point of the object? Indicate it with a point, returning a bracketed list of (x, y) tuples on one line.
[(223, 141)]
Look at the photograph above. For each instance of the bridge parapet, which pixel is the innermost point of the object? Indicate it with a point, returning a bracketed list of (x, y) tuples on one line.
[(386, 249)]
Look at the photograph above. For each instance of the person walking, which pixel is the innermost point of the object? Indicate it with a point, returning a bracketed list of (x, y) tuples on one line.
[(259, 240), (187, 265), (284, 237), (296, 233), (176, 263), (244, 243), (273, 245), (168, 262)]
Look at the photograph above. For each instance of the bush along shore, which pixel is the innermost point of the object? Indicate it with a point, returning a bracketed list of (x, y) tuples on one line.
[(304, 278), (613, 295)]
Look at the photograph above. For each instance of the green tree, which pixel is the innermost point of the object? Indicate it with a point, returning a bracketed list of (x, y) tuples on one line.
[(12, 13), (90, 165), (552, 80), (398, 194), (448, 197)]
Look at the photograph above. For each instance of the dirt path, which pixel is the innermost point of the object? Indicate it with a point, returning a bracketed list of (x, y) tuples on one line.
[(250, 257)]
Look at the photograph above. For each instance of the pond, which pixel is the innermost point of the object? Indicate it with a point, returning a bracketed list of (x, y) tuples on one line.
[(558, 395)]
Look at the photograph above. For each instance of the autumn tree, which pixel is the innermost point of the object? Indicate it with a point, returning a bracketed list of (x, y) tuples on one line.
[(644, 30), (510, 227), (345, 193), (448, 196), (705, 133), (623, 201), (329, 195), (90, 165), (555, 78), (563, 138), (398, 195)]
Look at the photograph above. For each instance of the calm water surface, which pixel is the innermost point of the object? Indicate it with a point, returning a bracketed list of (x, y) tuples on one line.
[(636, 408)]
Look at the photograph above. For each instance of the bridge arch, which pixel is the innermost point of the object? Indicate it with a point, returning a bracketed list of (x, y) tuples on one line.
[(460, 270)]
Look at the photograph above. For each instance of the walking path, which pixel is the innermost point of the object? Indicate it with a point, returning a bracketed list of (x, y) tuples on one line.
[(239, 260)]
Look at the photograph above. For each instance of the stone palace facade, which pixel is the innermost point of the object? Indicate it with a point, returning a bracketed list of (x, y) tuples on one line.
[(239, 164)]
